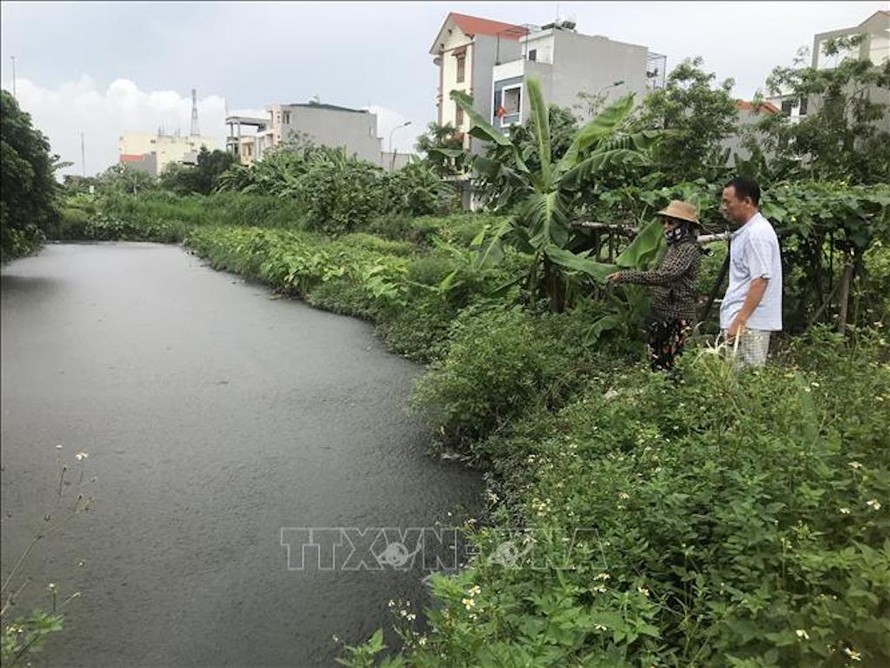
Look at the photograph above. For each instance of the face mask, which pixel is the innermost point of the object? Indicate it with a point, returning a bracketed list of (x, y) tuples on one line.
[(675, 235)]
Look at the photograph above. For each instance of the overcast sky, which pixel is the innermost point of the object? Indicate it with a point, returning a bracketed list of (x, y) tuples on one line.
[(103, 68)]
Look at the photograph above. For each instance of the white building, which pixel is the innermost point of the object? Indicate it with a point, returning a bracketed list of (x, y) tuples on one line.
[(875, 45), (354, 130), (567, 63)]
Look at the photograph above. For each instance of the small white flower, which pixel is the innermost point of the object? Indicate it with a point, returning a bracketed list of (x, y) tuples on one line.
[(643, 591), (845, 511), (855, 465), (601, 576), (600, 627), (81, 455), (391, 603), (874, 504), (411, 617), (801, 633)]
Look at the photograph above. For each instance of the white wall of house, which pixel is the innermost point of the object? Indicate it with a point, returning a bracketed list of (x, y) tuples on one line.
[(354, 130), (874, 47), (567, 63), (448, 70), (591, 64)]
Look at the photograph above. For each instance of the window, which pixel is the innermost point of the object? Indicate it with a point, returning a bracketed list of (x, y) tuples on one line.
[(533, 54), (461, 66), (287, 118), (458, 115), (512, 100), (787, 106), (803, 106)]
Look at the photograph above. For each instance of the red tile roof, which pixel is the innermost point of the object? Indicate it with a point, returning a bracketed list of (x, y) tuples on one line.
[(473, 25), (769, 107)]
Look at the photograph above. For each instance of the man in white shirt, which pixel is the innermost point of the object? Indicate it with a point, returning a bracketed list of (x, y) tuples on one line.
[(752, 306)]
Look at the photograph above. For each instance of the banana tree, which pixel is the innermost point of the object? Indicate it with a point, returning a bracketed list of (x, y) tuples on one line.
[(549, 192)]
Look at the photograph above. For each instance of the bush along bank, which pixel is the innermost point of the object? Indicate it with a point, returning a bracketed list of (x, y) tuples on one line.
[(720, 520)]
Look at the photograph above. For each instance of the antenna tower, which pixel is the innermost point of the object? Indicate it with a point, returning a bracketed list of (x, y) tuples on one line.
[(193, 131)]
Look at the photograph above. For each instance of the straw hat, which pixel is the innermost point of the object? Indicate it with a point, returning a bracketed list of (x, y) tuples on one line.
[(681, 210)]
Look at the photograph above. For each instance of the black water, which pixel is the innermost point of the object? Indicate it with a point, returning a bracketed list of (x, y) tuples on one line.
[(213, 416)]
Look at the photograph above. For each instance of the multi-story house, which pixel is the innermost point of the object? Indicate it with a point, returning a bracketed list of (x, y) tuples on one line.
[(151, 153), (874, 46), (466, 50), (491, 61), (354, 130)]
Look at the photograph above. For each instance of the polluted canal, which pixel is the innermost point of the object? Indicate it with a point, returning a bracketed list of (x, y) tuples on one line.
[(210, 426)]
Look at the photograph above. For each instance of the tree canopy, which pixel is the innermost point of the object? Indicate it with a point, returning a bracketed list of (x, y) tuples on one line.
[(28, 198), (844, 134), (697, 114)]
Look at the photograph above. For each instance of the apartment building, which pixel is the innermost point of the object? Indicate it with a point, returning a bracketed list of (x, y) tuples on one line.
[(354, 130), (151, 153)]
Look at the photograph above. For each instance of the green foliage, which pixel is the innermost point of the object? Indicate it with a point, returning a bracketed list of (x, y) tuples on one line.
[(27, 636), (442, 147), (124, 179), (843, 136), (501, 364), (28, 199), (340, 194), (659, 530), (202, 178), (697, 116), (418, 190), (496, 187), (547, 192)]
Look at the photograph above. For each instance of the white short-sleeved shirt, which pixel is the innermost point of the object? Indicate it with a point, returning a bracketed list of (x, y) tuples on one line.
[(754, 253)]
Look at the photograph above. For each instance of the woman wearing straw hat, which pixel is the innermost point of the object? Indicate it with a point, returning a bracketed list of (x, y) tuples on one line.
[(672, 286)]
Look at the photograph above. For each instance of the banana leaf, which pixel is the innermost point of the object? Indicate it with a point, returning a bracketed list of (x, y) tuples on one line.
[(644, 248), (581, 263)]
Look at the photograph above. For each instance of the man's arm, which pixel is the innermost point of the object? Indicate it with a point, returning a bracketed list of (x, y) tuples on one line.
[(752, 300)]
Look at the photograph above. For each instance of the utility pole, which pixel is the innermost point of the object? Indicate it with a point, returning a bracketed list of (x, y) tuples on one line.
[(13, 77), (193, 130), (83, 158)]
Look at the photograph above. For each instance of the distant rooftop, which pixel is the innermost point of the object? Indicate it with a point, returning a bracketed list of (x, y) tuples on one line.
[(744, 105), (331, 107), (475, 25)]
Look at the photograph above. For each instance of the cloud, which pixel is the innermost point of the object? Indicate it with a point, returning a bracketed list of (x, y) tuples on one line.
[(104, 115)]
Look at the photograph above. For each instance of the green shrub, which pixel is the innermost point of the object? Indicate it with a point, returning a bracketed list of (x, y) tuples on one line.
[(501, 363), (341, 196), (392, 226), (715, 519)]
